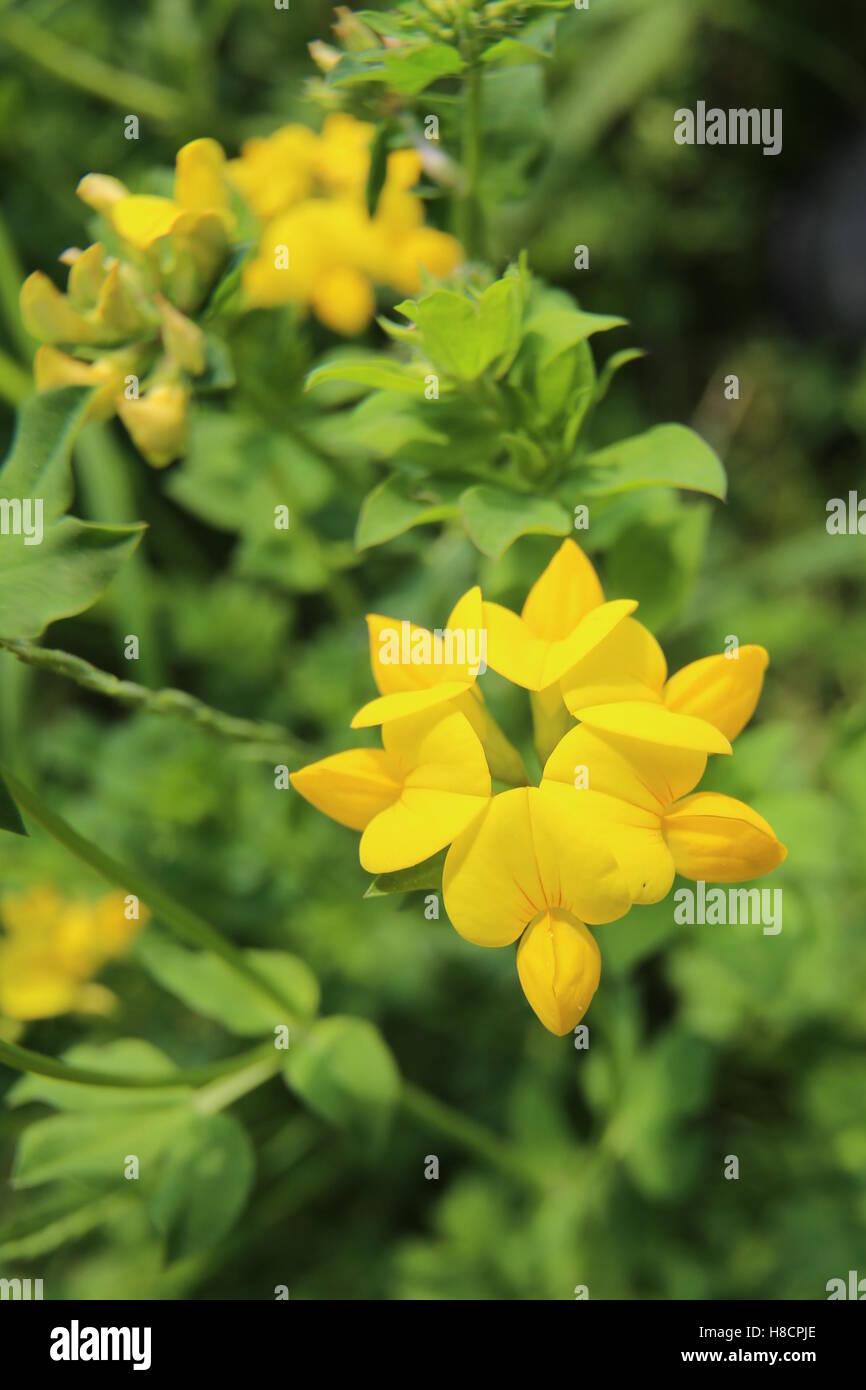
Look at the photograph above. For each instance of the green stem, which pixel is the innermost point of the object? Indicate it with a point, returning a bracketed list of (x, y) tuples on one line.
[(104, 477), (23, 1059), (185, 923), (15, 382), (472, 1136), (168, 701), (87, 72), (469, 207)]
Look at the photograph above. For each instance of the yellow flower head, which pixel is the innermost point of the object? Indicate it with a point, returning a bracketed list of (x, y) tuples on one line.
[(319, 247), (134, 307), (616, 815), (51, 948)]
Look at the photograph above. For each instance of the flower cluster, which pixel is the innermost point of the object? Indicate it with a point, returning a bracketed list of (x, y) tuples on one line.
[(318, 244), (615, 816), (52, 947), (127, 323)]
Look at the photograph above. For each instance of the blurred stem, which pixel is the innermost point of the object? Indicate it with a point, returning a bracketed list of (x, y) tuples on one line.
[(501, 1153), (22, 1059), (90, 74), (469, 209), (185, 923), (15, 382), (105, 480), (228, 1088), (167, 701), (11, 276)]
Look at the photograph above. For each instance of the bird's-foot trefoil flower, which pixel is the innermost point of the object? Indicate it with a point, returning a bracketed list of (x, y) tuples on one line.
[(412, 796), (51, 947), (535, 867), (633, 766)]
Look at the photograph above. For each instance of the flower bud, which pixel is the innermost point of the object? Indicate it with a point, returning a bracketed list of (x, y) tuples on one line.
[(157, 422), (559, 965)]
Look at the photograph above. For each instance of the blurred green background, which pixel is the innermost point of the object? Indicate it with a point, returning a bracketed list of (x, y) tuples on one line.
[(705, 1041)]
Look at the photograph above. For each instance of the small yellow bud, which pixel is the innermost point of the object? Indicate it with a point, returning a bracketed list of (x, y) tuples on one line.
[(101, 191), (559, 965), (183, 339), (157, 422)]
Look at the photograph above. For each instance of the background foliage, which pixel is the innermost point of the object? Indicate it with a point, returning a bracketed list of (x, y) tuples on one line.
[(705, 1041)]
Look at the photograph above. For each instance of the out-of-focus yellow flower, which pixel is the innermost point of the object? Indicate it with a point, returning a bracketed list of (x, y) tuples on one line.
[(319, 247), (124, 326), (51, 948)]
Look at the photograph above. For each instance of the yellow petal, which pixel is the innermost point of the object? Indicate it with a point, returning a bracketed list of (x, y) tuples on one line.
[(652, 723), (627, 665), (529, 851), (719, 839), (52, 368), (48, 316), (722, 689), (156, 422), (534, 662), (445, 785), (559, 965), (405, 703), (343, 300), (350, 787), (142, 217), (415, 669), (650, 776), (101, 191), (551, 720), (199, 178), (503, 759), (563, 594), (32, 983)]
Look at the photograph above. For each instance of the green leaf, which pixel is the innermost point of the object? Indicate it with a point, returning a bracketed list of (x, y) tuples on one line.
[(561, 327), (10, 816), (612, 366), (405, 70), (63, 575), (204, 1185), (495, 518), (512, 53), (94, 1143), (382, 373), (346, 1073), (428, 875), (381, 426), (38, 464), (124, 1056), (666, 456), (463, 337), (409, 70), (396, 505), (208, 986)]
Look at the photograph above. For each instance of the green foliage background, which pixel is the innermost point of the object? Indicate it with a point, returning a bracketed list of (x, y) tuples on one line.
[(704, 1041)]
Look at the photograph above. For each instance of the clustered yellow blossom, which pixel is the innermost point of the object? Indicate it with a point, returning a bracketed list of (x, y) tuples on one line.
[(319, 246), (616, 814), (125, 325), (127, 322), (51, 947)]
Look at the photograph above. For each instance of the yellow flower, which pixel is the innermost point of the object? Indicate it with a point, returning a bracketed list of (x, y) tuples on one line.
[(415, 670), (51, 948), (632, 766), (535, 866), (157, 422), (411, 797), (200, 192), (723, 689), (319, 247)]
